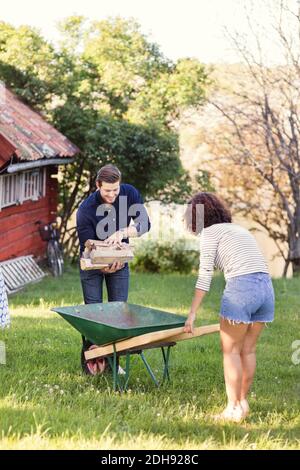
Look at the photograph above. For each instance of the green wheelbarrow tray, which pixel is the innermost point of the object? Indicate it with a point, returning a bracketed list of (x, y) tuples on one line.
[(114, 321)]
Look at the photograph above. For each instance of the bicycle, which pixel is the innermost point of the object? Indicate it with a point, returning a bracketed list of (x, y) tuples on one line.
[(49, 232)]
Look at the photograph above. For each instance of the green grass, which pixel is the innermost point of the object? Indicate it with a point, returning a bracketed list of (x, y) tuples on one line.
[(46, 402)]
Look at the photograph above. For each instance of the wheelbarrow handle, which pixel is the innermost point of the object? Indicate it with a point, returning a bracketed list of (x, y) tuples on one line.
[(173, 334)]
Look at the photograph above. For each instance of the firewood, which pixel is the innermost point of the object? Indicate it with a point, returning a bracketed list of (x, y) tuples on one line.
[(92, 244), (110, 255), (86, 265), (97, 254)]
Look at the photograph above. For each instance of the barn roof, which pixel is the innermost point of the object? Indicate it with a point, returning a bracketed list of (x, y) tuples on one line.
[(26, 134)]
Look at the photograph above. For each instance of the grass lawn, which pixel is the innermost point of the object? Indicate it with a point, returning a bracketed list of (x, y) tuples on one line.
[(46, 402)]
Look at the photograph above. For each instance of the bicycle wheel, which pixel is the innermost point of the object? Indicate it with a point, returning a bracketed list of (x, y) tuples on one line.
[(53, 259), (60, 258)]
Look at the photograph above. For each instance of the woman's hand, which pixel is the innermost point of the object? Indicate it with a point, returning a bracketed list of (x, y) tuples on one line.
[(197, 300), (116, 266), (189, 324)]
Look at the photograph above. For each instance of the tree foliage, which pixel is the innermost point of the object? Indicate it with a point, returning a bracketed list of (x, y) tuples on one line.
[(113, 93), (257, 146)]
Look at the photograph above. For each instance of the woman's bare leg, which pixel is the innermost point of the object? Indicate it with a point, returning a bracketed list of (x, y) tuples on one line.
[(248, 359), (232, 341)]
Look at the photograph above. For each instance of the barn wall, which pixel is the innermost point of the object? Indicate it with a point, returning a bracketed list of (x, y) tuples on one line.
[(18, 232)]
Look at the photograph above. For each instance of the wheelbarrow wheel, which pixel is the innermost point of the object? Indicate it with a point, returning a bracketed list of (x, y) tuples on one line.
[(93, 366)]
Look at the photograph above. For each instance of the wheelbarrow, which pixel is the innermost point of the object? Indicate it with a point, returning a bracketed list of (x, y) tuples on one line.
[(122, 329)]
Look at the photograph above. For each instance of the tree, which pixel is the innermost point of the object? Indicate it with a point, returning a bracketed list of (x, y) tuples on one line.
[(26, 63), (147, 156), (258, 143), (113, 93)]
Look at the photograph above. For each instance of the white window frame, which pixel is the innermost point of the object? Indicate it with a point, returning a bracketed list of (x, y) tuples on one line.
[(9, 190), (26, 186), (32, 185)]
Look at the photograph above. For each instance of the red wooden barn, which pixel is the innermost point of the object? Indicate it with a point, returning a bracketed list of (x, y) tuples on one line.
[(30, 152)]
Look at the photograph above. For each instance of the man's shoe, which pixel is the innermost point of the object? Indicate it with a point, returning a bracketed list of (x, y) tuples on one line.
[(92, 366), (121, 371)]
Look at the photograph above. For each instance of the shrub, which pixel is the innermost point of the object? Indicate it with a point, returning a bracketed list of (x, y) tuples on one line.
[(165, 257)]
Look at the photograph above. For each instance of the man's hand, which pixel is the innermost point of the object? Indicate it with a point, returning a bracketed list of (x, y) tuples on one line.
[(116, 266), (189, 324), (116, 239)]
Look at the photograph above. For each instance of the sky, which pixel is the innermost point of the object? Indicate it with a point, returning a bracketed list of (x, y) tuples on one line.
[(182, 28)]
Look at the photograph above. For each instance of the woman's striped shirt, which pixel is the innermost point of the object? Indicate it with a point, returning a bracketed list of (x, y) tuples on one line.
[(230, 248)]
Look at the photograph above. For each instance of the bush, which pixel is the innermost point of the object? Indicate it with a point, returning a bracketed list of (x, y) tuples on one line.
[(165, 257)]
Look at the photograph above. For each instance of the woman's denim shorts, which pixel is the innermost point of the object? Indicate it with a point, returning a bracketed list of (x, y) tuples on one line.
[(248, 299)]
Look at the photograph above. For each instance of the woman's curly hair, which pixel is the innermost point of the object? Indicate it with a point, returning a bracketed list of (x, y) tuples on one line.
[(204, 210)]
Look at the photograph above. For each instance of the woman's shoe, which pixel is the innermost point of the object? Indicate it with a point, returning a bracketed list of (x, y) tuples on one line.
[(245, 405), (231, 413)]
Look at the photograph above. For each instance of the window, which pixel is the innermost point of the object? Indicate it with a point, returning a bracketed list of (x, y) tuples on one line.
[(9, 190), (15, 189), (32, 186)]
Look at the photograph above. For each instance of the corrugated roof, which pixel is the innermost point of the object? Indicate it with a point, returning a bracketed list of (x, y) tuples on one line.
[(28, 133)]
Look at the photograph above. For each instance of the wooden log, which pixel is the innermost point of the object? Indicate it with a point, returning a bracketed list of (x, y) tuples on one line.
[(86, 253), (92, 244), (199, 331), (173, 334), (110, 254), (97, 254), (86, 265)]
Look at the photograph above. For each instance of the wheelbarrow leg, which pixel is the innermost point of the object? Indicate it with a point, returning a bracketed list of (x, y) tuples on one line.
[(166, 358), (127, 368), (122, 385), (114, 364), (149, 369)]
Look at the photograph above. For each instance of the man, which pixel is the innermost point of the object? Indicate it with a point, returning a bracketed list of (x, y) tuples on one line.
[(107, 215)]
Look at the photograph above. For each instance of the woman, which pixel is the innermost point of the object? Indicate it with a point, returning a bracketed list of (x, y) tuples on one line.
[(4, 314), (248, 299)]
